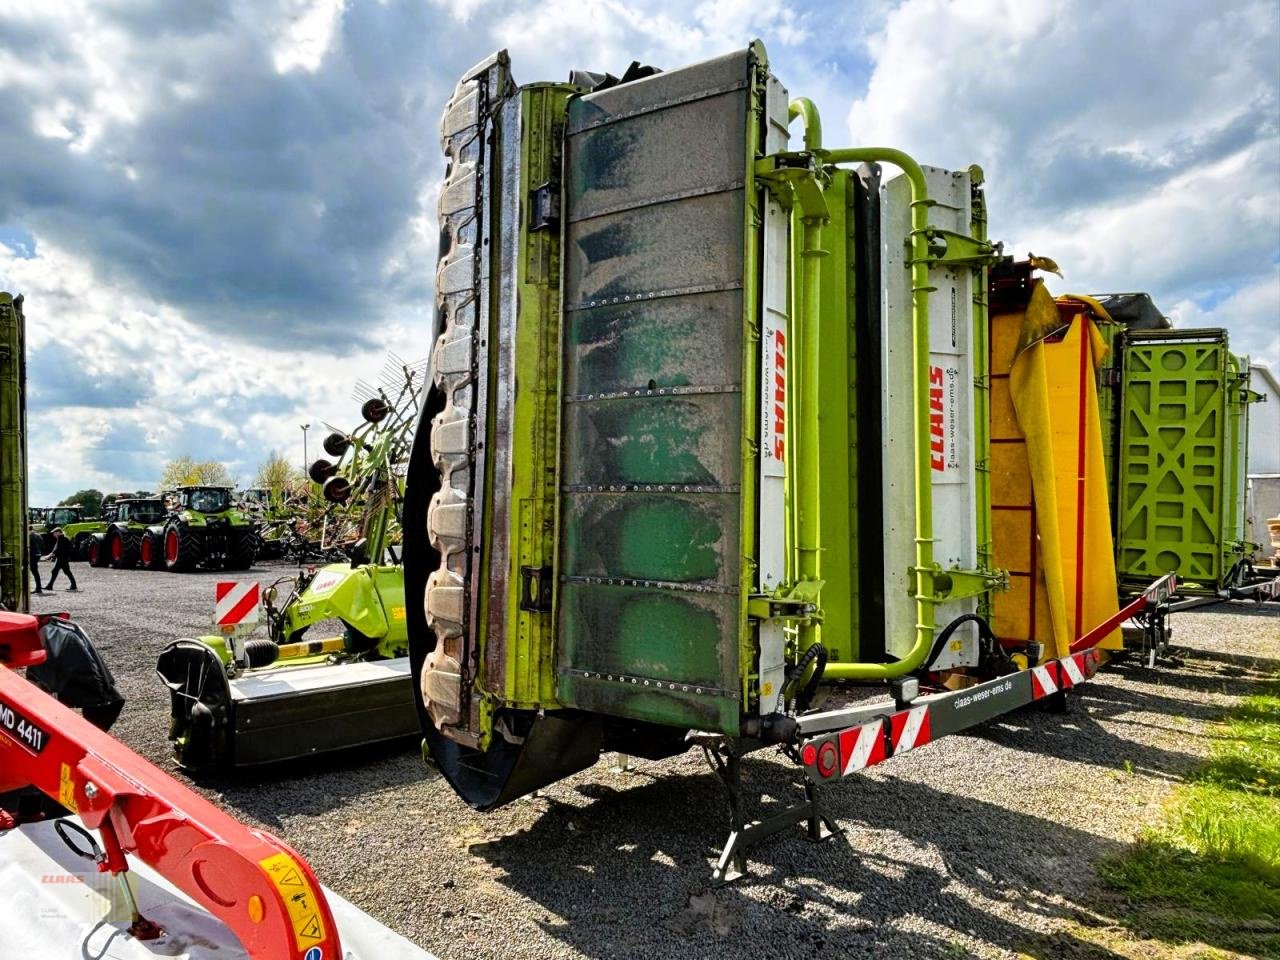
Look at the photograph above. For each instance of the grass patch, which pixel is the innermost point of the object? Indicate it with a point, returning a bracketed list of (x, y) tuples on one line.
[(1210, 873)]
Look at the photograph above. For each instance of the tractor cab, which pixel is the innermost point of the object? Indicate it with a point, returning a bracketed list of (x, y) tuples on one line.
[(204, 499), (150, 510), (61, 516)]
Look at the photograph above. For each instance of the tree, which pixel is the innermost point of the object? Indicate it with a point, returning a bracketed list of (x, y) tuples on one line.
[(185, 471), (278, 477), (90, 500)]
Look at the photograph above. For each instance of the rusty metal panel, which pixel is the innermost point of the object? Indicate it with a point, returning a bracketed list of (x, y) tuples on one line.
[(649, 604)]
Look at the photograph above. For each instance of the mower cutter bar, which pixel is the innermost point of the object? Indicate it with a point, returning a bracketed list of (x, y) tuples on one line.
[(255, 883)]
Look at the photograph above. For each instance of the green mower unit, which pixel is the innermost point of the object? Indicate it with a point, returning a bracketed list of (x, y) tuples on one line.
[(659, 492), (276, 694), (707, 444), (202, 528)]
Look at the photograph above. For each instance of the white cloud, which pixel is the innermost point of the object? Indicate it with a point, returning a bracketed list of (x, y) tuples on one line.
[(206, 395), (305, 34), (1111, 142)]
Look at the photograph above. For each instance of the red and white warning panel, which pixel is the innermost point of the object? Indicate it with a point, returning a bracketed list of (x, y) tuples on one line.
[(237, 604), (841, 753)]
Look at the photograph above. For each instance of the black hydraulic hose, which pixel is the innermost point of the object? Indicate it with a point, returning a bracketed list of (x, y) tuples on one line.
[(818, 652), (984, 631), (810, 688)]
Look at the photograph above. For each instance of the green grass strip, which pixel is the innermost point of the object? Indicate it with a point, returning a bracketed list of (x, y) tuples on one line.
[(1211, 871)]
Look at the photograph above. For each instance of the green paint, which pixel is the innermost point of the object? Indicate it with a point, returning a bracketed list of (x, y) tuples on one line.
[(1178, 458), (679, 248), (14, 582)]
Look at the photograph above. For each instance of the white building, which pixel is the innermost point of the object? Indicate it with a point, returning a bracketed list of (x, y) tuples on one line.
[(1264, 422), (1264, 456)]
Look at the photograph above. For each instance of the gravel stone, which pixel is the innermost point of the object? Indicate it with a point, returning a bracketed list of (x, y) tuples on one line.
[(979, 845)]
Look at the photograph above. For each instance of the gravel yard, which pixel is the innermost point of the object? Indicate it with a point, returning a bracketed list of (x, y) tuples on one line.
[(978, 845)]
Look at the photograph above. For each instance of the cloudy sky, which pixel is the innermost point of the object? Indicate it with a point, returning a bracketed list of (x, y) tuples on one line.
[(221, 212)]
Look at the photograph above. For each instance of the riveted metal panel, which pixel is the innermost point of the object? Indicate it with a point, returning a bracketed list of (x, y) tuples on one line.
[(655, 254), (1173, 456)]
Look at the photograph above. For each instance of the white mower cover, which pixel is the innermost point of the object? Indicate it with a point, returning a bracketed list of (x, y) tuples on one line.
[(57, 907)]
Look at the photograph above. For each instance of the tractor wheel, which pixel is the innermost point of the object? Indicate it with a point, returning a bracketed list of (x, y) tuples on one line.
[(80, 549), (122, 548), (335, 444), (151, 551), (322, 470), (183, 549), (337, 489), (243, 551), (375, 410), (96, 552)]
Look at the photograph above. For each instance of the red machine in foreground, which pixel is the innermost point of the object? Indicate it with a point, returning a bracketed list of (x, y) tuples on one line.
[(256, 884)]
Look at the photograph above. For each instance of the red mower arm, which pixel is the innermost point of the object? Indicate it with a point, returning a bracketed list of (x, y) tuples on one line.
[(256, 884)]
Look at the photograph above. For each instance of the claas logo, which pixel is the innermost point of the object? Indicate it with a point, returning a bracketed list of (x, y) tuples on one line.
[(937, 446), (779, 438)]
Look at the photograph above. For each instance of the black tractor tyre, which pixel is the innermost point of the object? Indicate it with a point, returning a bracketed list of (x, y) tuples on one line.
[(337, 490), (122, 548), (244, 550), (375, 410), (183, 548), (322, 470), (96, 551), (335, 444), (80, 548), (151, 550)]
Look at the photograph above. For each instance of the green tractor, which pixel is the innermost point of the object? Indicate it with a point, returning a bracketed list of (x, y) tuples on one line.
[(124, 524), (73, 523), (201, 528)]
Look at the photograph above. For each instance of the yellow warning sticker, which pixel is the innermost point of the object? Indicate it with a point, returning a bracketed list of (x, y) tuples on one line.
[(67, 789), (299, 899), (397, 613)]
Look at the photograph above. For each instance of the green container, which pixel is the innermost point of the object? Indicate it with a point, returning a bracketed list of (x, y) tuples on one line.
[(1180, 458)]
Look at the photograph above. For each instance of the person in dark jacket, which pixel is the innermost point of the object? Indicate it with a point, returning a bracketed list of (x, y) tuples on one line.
[(61, 556), (35, 547)]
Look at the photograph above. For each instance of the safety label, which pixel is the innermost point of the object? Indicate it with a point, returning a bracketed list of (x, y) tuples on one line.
[(299, 899)]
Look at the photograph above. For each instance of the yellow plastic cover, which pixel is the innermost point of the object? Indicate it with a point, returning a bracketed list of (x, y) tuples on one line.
[(1050, 519)]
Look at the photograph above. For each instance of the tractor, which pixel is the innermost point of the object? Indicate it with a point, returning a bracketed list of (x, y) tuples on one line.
[(125, 523), (201, 528), (73, 523)]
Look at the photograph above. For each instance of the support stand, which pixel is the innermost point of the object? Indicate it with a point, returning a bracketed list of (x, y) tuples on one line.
[(726, 762)]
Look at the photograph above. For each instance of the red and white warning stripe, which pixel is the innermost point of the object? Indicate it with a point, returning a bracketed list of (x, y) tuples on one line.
[(1044, 680), (861, 747), (237, 602), (1072, 674), (911, 729)]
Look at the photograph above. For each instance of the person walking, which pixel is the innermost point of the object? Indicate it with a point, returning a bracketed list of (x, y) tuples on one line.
[(35, 547), (61, 556)]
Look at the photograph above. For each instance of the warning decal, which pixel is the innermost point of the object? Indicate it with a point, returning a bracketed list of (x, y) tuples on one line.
[(299, 899), (237, 603), (67, 789)]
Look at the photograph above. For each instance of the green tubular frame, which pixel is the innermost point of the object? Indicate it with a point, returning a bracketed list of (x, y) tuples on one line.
[(806, 488), (923, 479)]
